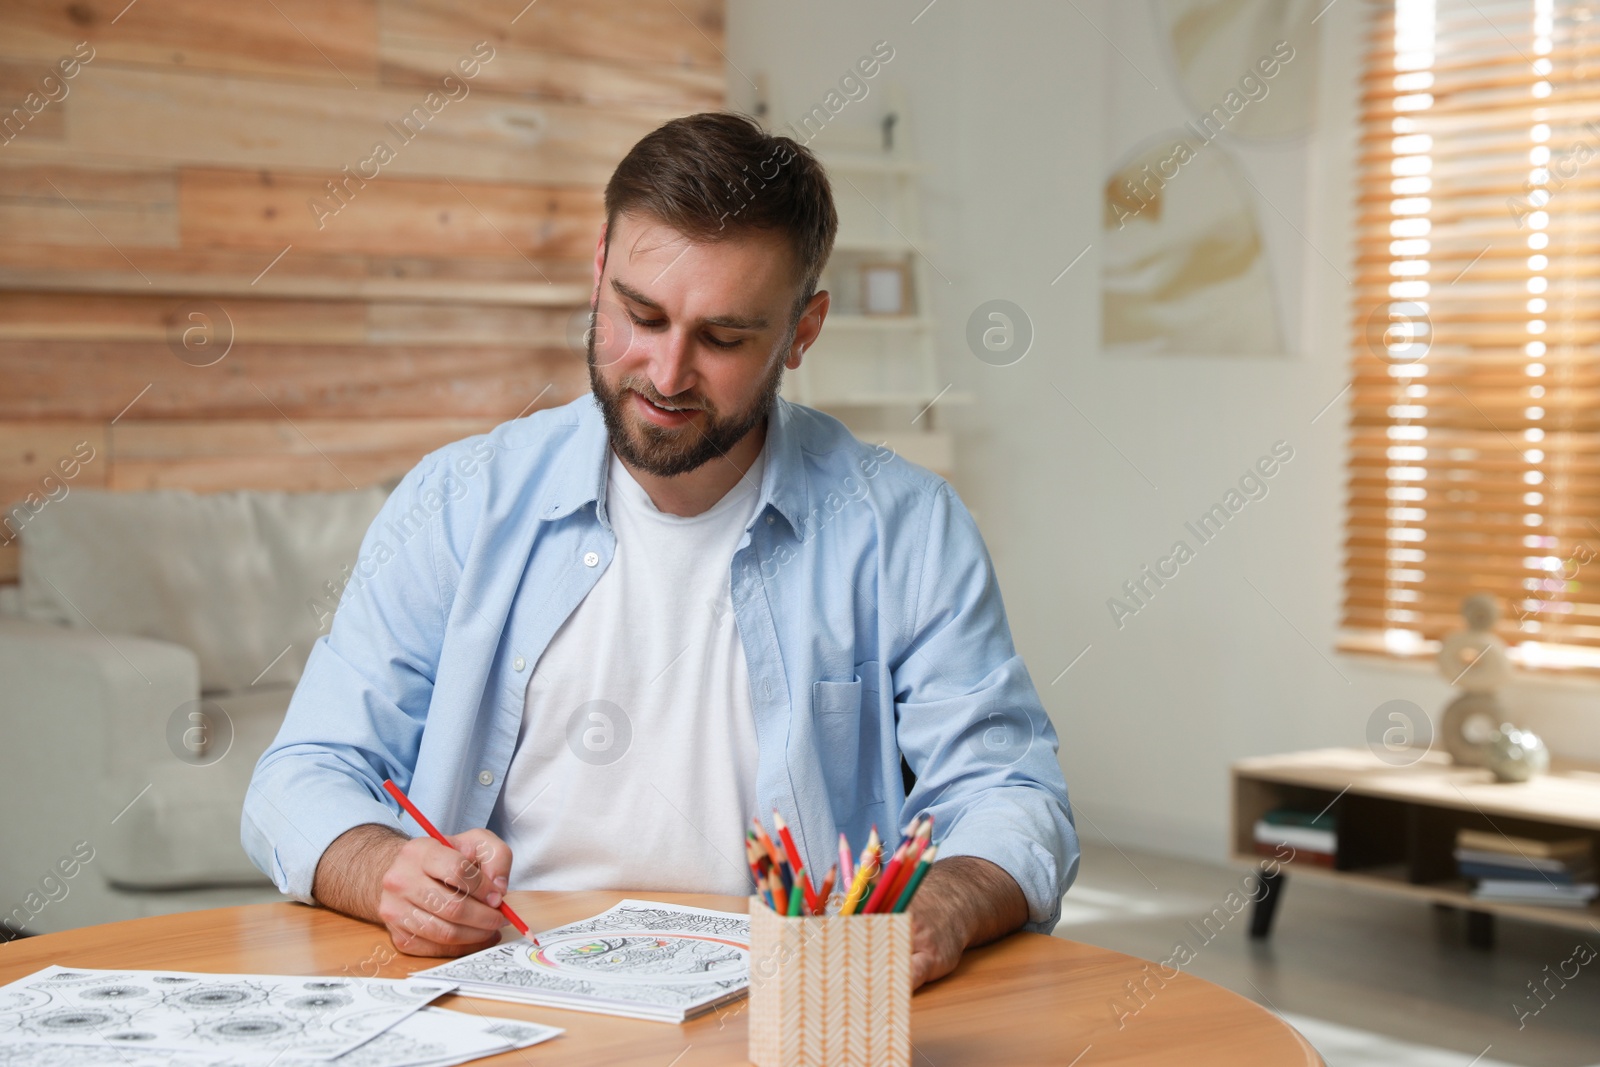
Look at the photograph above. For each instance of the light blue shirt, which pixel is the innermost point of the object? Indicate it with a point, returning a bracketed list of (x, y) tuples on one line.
[(865, 600)]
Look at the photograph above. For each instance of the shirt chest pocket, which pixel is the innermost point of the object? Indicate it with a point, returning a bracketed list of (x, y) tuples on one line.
[(848, 742)]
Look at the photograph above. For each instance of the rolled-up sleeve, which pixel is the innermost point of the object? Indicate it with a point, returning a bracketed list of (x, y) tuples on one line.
[(356, 717), (971, 726)]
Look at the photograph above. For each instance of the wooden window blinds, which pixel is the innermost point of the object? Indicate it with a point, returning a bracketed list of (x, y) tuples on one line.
[(1475, 430)]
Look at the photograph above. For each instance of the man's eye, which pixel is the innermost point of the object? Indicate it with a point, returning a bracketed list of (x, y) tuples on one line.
[(651, 323), (725, 344)]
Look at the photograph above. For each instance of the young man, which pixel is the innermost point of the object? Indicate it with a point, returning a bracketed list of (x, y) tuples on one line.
[(612, 632)]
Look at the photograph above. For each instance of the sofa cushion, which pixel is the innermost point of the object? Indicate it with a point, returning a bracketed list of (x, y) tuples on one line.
[(239, 577), (184, 830)]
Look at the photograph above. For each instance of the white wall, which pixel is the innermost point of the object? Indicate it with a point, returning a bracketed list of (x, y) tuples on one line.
[(1006, 103)]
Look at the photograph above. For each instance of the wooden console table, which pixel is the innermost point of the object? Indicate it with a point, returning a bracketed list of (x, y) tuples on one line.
[(1397, 825)]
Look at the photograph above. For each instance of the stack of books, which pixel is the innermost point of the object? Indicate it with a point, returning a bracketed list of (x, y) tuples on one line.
[(1313, 836), (1524, 870)]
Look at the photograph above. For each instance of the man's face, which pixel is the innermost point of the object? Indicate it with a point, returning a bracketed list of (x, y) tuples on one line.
[(703, 328)]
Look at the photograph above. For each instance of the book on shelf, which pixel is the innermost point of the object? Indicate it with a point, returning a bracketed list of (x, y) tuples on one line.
[(1299, 838), (1301, 855), (1527, 870), (1311, 820), (1525, 863), (1526, 848), (1519, 891), (1506, 872)]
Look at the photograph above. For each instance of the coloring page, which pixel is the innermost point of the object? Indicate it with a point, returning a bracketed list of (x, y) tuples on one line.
[(654, 955), (316, 1017), (436, 1036), (431, 1037), (45, 1054)]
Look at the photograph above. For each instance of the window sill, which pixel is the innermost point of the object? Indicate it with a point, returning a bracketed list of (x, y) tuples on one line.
[(1372, 653)]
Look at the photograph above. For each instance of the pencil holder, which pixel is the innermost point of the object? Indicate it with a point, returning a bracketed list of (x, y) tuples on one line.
[(829, 990)]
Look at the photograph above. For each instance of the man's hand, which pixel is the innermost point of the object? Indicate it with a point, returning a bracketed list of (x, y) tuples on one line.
[(434, 901), (963, 901)]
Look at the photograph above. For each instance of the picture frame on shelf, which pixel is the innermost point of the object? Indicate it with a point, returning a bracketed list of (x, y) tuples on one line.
[(885, 288)]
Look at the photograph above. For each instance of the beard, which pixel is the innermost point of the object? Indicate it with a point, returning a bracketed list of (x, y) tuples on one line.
[(666, 452)]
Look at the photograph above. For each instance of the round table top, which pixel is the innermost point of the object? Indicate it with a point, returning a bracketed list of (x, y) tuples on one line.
[(1027, 999)]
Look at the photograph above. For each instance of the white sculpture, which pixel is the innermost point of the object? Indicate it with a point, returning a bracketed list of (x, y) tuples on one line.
[(1516, 755), (1475, 661)]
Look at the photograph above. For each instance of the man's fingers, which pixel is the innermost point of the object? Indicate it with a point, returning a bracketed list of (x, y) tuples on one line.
[(460, 871), (433, 900), (413, 945), (491, 859), (454, 906), (422, 918)]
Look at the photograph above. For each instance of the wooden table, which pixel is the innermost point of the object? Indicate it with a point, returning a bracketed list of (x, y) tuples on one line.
[(1029, 999)]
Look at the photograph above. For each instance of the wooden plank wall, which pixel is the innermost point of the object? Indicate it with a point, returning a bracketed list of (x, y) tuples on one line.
[(156, 212)]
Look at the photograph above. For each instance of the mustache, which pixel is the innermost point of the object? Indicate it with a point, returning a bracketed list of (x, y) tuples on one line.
[(661, 401)]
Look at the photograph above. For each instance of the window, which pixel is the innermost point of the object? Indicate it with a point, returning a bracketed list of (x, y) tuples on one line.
[(1475, 432)]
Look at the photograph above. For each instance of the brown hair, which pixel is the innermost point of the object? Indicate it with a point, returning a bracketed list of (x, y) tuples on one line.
[(715, 174)]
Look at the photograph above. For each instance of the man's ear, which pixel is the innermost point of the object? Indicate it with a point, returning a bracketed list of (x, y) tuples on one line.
[(807, 329), (599, 266)]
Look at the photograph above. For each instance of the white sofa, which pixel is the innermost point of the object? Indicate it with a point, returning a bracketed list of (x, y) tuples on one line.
[(147, 657)]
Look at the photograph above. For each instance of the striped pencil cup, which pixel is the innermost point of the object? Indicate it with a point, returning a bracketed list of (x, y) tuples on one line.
[(829, 990)]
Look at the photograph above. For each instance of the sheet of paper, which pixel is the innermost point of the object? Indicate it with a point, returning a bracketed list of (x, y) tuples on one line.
[(235, 1015), (43, 1054), (432, 1037), (658, 959), (436, 1037), (457, 1034)]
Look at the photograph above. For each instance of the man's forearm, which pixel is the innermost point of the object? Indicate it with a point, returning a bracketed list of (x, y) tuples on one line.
[(977, 895), (349, 876)]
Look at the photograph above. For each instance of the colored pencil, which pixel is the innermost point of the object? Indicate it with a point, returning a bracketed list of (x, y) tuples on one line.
[(776, 890), (422, 820), (917, 834), (753, 856), (779, 863), (827, 887), (794, 860), (914, 850), (796, 896), (847, 873), (864, 872), (916, 879), (766, 843), (875, 901), (874, 846)]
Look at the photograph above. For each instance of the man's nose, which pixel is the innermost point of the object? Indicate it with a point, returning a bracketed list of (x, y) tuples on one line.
[(671, 363)]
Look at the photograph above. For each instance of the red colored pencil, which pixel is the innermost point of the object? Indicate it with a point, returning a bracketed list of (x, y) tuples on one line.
[(914, 850), (890, 873), (753, 856), (422, 820), (794, 860), (771, 849), (827, 888)]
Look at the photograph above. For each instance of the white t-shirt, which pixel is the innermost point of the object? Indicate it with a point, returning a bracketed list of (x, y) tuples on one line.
[(635, 766)]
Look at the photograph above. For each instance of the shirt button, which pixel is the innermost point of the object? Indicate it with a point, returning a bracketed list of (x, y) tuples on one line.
[(590, 559), (486, 778), (770, 520), (518, 663)]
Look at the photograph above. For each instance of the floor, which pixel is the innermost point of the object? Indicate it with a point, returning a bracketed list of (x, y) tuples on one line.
[(1369, 980)]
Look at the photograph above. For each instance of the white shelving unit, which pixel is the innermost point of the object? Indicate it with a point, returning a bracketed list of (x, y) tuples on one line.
[(878, 373)]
